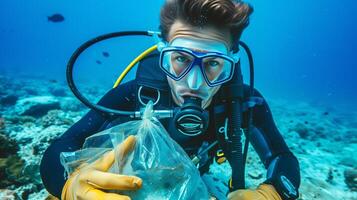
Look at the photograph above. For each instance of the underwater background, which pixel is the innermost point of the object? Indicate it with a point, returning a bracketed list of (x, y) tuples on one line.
[(305, 66)]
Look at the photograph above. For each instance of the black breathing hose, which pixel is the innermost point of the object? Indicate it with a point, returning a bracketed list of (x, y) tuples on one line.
[(69, 72), (251, 93), (238, 178), (238, 157)]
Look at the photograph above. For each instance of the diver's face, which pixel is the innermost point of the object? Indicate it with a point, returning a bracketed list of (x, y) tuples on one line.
[(201, 39)]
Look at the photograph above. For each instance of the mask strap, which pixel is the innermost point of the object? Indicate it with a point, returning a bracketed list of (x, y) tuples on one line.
[(236, 56), (161, 45), (158, 40)]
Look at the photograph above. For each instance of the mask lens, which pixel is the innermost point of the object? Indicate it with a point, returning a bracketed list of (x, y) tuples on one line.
[(176, 62), (217, 69)]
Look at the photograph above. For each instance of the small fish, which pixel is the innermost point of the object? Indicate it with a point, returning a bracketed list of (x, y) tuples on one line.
[(55, 18), (98, 62), (105, 54)]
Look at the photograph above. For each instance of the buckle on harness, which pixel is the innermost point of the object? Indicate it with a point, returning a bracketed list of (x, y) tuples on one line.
[(142, 102)]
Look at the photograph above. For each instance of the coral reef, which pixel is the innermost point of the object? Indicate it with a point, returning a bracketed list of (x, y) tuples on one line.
[(351, 178), (7, 194), (11, 171), (37, 106), (9, 100), (7, 146)]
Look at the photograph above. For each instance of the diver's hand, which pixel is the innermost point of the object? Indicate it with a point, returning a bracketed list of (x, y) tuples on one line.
[(88, 181), (263, 192)]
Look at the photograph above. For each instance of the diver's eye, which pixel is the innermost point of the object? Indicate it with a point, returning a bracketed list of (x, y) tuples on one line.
[(181, 59), (212, 63)]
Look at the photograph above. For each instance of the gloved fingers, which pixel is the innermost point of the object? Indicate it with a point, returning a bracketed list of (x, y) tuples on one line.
[(268, 191), (110, 196), (67, 189), (107, 160), (244, 195), (126, 147), (264, 192), (108, 181), (95, 194), (231, 195), (266, 187)]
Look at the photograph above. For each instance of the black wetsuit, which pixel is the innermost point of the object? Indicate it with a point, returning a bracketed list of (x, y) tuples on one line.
[(265, 138)]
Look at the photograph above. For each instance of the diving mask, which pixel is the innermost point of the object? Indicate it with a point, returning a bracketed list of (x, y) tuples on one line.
[(182, 55)]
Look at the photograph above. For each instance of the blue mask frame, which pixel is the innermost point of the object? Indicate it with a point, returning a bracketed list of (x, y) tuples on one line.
[(198, 57)]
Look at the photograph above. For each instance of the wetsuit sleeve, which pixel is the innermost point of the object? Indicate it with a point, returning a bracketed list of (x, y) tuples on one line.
[(52, 172), (282, 166)]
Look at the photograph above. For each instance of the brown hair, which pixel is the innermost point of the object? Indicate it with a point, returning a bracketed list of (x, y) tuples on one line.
[(219, 13)]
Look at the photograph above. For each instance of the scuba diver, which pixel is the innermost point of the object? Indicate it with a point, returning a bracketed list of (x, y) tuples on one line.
[(195, 73)]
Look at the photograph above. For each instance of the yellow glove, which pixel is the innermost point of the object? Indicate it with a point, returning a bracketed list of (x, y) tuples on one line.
[(263, 192), (88, 181)]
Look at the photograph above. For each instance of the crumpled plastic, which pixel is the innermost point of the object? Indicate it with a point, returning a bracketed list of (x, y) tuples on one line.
[(166, 170)]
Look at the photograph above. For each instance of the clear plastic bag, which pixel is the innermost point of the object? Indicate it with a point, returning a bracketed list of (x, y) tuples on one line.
[(166, 170)]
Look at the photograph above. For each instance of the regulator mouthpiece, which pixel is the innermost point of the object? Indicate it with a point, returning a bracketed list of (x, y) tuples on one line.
[(190, 119)]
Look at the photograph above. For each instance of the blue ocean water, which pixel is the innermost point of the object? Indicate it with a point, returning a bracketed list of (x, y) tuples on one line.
[(304, 53), (303, 50)]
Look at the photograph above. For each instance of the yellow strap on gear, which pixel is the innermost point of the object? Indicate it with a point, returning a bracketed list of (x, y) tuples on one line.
[(133, 63), (220, 153), (220, 158)]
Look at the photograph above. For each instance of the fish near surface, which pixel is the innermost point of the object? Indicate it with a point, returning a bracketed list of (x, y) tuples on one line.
[(56, 18)]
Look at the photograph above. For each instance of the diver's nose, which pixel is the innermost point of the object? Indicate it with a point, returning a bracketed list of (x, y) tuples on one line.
[(195, 78)]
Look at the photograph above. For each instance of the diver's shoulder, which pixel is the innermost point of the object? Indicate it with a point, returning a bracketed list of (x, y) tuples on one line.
[(127, 86), (125, 89), (246, 89)]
